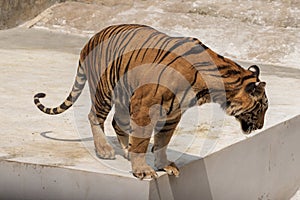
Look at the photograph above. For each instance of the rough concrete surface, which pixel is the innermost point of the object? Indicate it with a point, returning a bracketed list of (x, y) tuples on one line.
[(16, 12), (35, 60), (256, 31)]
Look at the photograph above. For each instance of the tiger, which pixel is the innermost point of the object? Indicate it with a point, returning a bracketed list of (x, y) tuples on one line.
[(151, 79)]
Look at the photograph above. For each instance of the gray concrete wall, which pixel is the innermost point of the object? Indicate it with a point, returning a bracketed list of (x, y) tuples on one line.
[(15, 12), (263, 167), (30, 181)]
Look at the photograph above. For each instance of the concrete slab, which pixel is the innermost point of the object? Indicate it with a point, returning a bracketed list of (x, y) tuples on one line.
[(45, 149)]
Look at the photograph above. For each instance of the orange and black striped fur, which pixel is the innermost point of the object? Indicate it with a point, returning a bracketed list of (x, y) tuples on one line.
[(152, 79)]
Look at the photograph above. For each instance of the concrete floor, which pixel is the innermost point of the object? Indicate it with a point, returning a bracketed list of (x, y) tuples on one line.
[(42, 61)]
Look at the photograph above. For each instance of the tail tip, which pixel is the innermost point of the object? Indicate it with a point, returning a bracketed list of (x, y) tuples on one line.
[(39, 95)]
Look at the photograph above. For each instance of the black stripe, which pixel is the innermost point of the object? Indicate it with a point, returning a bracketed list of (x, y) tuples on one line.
[(193, 102), (80, 75), (165, 124), (222, 67), (64, 106), (233, 82), (174, 60), (164, 56), (150, 37), (234, 90), (200, 43), (202, 93), (112, 30), (195, 79), (171, 122), (162, 47), (230, 73), (214, 69), (152, 47), (161, 108), (94, 51), (100, 93), (123, 124), (194, 50), (160, 124), (116, 55), (175, 46), (217, 68), (141, 143), (78, 85), (55, 111), (115, 39), (216, 75), (70, 98), (102, 98), (164, 130), (218, 97), (185, 93), (111, 75), (102, 113), (221, 57), (124, 45), (117, 67), (246, 78), (202, 64), (112, 36), (121, 133), (237, 111), (127, 35), (172, 105), (40, 95), (41, 107), (125, 78), (179, 43)]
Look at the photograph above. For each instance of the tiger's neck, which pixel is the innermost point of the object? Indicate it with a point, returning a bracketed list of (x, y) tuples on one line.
[(222, 79)]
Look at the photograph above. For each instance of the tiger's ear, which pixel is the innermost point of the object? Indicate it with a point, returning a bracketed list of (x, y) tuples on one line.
[(255, 88), (255, 69)]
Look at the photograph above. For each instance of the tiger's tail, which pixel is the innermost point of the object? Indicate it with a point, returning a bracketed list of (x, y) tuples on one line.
[(70, 100)]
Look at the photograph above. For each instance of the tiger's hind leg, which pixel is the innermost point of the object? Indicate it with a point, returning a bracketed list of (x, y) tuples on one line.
[(103, 148), (162, 137), (121, 125)]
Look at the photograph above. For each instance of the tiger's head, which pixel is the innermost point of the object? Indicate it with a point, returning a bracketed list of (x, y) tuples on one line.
[(250, 104)]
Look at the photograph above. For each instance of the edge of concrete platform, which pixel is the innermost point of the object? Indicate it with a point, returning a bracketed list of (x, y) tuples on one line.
[(33, 181), (265, 166)]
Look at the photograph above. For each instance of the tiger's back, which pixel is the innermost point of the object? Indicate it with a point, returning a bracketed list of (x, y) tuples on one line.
[(116, 50)]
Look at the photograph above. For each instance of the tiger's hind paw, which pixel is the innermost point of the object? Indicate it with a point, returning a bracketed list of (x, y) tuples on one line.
[(105, 151)]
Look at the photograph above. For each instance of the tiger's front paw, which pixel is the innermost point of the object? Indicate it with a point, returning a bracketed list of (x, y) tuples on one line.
[(163, 164), (171, 169), (144, 171), (105, 151)]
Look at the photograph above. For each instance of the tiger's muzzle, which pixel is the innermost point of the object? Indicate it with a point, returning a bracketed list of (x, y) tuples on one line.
[(248, 127)]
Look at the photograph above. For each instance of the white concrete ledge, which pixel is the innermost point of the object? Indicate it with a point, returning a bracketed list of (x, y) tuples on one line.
[(265, 166)]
